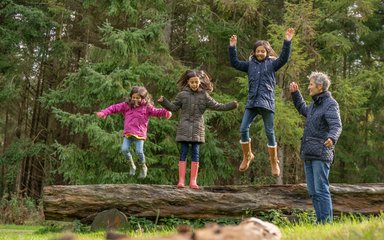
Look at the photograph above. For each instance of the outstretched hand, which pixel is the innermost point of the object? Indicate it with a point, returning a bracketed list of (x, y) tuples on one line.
[(289, 34), (168, 115), (233, 41), (161, 99), (236, 104), (293, 87), (101, 115)]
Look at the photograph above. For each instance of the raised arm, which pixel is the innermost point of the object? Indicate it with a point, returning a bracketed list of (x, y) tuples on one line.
[(285, 51), (298, 100), (239, 65)]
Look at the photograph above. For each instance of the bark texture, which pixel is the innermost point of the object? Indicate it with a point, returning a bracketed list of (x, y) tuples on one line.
[(79, 201)]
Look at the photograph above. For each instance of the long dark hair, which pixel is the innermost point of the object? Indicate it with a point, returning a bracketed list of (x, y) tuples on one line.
[(205, 79), (266, 45), (142, 91)]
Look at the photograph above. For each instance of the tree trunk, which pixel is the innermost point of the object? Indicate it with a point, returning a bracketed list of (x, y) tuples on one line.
[(32, 175), (3, 169), (79, 201), (281, 154)]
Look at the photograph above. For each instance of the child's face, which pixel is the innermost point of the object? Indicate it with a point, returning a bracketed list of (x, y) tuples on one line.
[(194, 83), (260, 53), (136, 99)]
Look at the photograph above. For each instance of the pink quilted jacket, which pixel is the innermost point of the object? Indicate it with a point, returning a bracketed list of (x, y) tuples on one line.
[(135, 118)]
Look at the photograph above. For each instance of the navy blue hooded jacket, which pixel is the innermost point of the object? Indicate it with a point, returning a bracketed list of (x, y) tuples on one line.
[(261, 76), (322, 122)]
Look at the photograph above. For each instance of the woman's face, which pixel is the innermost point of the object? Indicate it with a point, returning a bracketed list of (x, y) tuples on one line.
[(194, 83), (313, 88), (260, 53), (136, 99)]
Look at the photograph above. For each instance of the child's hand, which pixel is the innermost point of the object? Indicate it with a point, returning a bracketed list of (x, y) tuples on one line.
[(236, 104), (168, 115), (233, 41), (161, 99), (101, 115), (293, 87), (289, 34)]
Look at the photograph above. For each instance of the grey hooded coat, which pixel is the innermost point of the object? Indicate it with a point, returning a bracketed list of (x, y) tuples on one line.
[(192, 104)]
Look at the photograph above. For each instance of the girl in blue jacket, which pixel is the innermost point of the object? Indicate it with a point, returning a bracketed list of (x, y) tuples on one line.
[(261, 68)]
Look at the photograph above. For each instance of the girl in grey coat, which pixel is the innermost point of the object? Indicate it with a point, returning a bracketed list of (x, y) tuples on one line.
[(192, 100)]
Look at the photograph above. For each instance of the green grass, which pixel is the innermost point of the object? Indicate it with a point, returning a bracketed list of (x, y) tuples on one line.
[(351, 229), (19, 227), (346, 228), (12, 232), (31, 235)]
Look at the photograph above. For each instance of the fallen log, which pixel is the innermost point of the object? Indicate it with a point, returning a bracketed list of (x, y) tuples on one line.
[(68, 202)]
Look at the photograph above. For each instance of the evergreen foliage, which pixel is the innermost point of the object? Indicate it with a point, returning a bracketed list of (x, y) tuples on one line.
[(62, 61)]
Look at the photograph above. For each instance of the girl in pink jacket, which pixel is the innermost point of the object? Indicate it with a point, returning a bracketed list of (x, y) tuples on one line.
[(136, 111)]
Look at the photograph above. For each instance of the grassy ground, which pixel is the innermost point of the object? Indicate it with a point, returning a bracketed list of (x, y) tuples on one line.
[(13, 232), (372, 228), (351, 229)]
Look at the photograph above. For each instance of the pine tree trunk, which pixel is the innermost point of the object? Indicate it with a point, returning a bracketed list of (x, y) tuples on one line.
[(32, 173), (3, 169)]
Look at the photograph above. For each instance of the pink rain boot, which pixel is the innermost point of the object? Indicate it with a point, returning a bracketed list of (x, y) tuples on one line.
[(193, 178), (182, 167)]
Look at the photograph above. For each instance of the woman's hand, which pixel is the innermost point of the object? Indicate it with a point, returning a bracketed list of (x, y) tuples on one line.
[(293, 87), (161, 99), (328, 143)]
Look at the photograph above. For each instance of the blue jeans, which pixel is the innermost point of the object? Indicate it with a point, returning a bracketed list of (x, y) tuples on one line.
[(250, 115), (316, 174), (139, 148), (195, 149)]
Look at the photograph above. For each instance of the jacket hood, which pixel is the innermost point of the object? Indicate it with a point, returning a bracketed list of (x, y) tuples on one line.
[(253, 58), (188, 89)]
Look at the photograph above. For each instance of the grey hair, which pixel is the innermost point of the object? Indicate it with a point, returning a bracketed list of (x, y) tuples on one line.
[(320, 78)]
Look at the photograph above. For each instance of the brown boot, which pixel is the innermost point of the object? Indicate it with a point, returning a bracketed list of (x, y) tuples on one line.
[(247, 155), (274, 161)]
